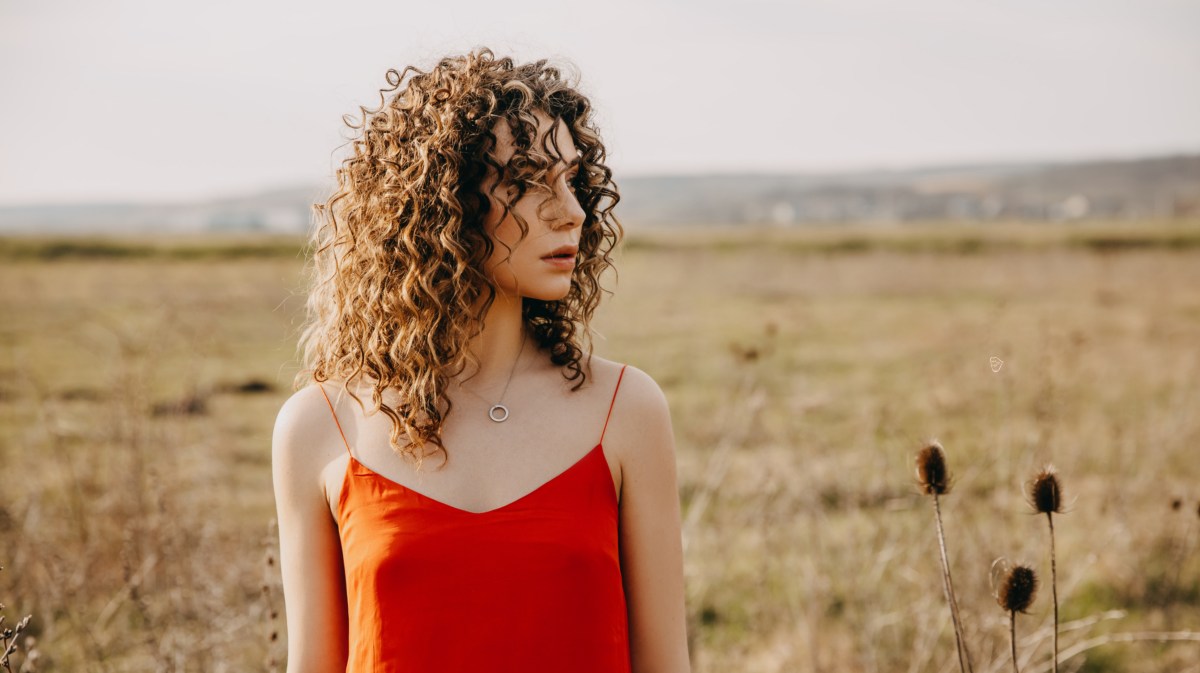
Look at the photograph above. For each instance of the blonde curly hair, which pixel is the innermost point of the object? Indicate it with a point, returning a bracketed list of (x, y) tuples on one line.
[(398, 250)]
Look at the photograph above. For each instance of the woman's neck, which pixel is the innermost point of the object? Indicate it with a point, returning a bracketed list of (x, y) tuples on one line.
[(498, 345)]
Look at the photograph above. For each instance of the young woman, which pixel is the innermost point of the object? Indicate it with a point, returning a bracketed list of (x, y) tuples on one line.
[(454, 274)]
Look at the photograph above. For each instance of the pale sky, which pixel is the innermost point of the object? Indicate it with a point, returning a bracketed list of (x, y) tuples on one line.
[(158, 100)]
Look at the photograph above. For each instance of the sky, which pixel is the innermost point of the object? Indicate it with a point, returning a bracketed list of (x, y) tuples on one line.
[(162, 100)]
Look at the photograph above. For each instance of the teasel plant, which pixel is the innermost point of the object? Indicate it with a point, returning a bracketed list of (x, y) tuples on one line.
[(1014, 586), (933, 476), (1045, 497), (8, 640)]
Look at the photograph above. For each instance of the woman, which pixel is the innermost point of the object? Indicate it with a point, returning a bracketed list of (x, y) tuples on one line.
[(455, 272)]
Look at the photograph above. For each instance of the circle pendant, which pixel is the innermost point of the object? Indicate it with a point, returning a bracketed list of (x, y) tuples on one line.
[(493, 411)]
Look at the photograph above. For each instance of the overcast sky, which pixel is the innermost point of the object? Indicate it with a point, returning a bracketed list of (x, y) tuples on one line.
[(158, 100)]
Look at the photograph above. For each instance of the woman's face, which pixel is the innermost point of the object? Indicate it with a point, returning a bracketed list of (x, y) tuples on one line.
[(525, 268)]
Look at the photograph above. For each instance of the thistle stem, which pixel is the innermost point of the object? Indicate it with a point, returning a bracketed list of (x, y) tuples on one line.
[(5, 652), (964, 658), (1053, 587), (1012, 637)]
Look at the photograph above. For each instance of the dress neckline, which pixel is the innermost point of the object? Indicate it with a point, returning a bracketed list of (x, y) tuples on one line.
[(368, 472)]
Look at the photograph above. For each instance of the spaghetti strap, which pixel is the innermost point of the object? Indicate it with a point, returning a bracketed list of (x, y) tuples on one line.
[(335, 419), (610, 404)]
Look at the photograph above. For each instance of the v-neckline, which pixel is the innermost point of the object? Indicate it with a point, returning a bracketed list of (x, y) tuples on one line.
[(495, 510)]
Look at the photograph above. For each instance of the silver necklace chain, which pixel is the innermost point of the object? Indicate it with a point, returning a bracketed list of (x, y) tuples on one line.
[(498, 412)]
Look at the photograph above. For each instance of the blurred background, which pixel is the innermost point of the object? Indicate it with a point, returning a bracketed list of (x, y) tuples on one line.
[(852, 227), (226, 116)]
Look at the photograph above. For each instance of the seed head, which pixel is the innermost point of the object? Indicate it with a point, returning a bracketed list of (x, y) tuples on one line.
[(1045, 492), (1015, 587), (932, 474)]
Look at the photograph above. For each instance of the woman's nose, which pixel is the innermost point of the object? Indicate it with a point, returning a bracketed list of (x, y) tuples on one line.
[(570, 212)]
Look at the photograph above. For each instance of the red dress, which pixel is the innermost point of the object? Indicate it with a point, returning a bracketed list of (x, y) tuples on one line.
[(534, 585)]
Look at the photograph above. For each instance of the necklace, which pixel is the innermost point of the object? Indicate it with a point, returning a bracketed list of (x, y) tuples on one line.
[(499, 412)]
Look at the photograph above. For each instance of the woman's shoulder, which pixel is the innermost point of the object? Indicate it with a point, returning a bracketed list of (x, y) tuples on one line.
[(298, 414), (636, 386), (639, 405), (305, 429)]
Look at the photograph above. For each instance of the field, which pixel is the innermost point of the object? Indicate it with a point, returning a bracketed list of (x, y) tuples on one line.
[(139, 380)]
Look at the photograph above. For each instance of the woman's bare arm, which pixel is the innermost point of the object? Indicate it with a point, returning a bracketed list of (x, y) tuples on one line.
[(651, 544), (310, 556)]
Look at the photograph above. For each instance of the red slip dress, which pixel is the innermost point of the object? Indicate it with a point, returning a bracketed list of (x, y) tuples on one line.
[(530, 586)]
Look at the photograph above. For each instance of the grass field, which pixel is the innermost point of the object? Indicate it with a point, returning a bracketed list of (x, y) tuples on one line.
[(139, 380)]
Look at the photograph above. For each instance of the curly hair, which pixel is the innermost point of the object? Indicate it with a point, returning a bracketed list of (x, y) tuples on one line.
[(397, 251)]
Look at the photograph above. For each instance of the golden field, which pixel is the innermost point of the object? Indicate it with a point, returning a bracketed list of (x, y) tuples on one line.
[(139, 381)]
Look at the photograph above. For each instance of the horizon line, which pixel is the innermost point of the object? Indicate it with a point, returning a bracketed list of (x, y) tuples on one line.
[(915, 167)]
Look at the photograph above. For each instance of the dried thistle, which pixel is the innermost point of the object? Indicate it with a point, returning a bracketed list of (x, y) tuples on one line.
[(934, 479), (1014, 587), (1045, 496), (932, 473), (1017, 588), (270, 578), (1045, 492), (8, 639)]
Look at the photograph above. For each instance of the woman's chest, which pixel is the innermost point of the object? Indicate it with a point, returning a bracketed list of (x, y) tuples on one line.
[(487, 466)]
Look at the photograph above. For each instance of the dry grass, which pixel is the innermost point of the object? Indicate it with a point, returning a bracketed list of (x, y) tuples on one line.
[(802, 377)]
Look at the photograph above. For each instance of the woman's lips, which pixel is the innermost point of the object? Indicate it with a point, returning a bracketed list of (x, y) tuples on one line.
[(564, 262), (562, 257)]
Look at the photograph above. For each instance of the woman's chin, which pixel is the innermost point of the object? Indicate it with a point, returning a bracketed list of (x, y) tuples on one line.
[(550, 294)]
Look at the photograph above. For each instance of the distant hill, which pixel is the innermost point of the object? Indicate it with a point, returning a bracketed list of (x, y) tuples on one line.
[(1158, 187), (280, 211), (1163, 187)]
